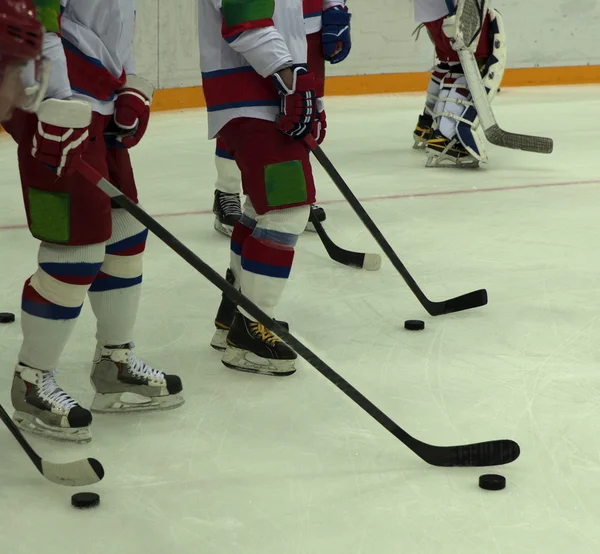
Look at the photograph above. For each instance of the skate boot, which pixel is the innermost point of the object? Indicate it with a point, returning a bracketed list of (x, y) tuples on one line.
[(228, 211), (253, 348), (124, 383), (43, 408), (443, 151), (319, 214), (224, 318), (423, 131)]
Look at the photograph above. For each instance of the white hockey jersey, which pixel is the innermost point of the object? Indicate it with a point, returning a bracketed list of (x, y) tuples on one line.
[(93, 53), (241, 46), (431, 10)]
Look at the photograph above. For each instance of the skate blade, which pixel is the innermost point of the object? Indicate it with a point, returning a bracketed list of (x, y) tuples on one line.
[(235, 358), (434, 159), (127, 402), (222, 228), (33, 425), (219, 340)]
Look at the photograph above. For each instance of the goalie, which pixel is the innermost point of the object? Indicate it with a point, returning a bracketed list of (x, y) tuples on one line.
[(448, 127)]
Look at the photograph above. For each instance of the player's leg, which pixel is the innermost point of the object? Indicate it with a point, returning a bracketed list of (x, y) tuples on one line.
[(123, 382), (456, 140), (227, 203), (72, 221), (277, 179), (424, 128)]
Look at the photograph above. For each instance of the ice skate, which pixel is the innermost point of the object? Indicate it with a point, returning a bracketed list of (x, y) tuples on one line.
[(124, 383), (43, 408), (228, 211), (253, 348), (319, 213), (423, 131), (442, 151)]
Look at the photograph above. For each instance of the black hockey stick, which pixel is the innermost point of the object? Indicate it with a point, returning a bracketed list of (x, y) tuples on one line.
[(360, 260), (489, 453), (467, 301), (73, 474)]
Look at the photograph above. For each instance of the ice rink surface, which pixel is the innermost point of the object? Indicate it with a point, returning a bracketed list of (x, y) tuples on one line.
[(259, 465)]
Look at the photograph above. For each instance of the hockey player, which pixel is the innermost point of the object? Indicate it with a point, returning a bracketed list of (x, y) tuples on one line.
[(448, 126), (327, 24), (96, 107), (21, 36), (261, 103)]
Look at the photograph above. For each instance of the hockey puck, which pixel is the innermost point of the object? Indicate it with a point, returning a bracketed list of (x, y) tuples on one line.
[(7, 317), (85, 500), (414, 325), (492, 482)]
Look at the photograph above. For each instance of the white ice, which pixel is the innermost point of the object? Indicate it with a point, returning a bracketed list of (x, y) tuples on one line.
[(259, 465)]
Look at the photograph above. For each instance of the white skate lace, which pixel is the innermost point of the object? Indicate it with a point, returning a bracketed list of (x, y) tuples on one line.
[(230, 204), (49, 391), (141, 369)]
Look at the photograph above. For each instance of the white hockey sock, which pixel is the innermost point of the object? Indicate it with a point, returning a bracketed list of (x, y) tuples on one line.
[(115, 293), (52, 300)]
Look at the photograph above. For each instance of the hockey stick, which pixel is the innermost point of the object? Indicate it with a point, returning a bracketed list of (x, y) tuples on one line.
[(73, 474), (469, 23), (493, 132), (467, 301), (487, 453), (360, 260)]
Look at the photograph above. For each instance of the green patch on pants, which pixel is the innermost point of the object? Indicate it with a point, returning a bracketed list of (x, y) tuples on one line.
[(285, 184), (49, 215)]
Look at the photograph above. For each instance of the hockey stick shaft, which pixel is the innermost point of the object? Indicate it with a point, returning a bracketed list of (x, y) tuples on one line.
[(360, 260), (480, 454), (471, 300)]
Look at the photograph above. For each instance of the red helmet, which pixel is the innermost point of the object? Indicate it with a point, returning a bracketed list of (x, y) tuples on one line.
[(21, 34)]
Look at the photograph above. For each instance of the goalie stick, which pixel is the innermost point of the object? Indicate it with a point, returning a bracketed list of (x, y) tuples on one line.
[(360, 260), (467, 301), (488, 453), (469, 22), (73, 474)]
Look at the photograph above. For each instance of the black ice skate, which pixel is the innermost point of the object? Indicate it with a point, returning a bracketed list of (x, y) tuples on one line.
[(228, 211), (443, 151), (319, 214), (423, 131), (124, 383), (43, 408), (253, 348)]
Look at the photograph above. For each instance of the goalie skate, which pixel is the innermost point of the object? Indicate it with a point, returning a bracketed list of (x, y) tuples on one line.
[(124, 383), (442, 151), (43, 408), (423, 131)]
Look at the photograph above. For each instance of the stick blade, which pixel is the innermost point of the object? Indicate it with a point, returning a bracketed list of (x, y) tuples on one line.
[(87, 471), (474, 299), (481, 454), (528, 143)]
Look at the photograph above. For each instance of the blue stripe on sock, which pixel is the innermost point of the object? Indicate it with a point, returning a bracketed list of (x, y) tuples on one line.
[(236, 248), (49, 311), (220, 153), (127, 243), (266, 269), (74, 269), (287, 239), (113, 283)]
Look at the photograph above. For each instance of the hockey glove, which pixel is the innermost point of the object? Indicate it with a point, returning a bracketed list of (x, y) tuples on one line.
[(337, 40), (320, 126), (62, 133), (298, 104), (132, 110)]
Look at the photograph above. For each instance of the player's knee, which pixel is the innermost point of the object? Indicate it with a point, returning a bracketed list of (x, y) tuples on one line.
[(282, 226)]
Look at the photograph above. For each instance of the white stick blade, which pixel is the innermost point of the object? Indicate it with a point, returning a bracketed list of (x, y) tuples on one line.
[(74, 474)]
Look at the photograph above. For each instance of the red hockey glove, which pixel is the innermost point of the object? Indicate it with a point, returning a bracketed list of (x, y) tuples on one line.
[(298, 104), (320, 127), (132, 110), (62, 133)]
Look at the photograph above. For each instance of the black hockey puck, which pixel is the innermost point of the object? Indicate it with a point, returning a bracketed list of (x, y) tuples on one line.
[(85, 500), (7, 317), (414, 325), (492, 482)]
